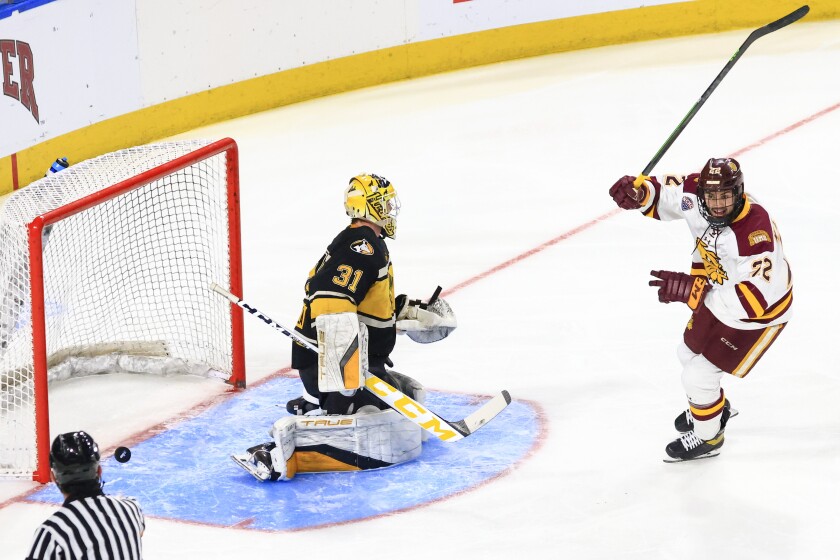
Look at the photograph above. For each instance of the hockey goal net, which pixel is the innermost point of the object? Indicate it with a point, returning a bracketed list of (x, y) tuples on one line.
[(106, 267)]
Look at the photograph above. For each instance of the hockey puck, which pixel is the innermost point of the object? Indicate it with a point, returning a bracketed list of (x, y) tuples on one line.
[(122, 454)]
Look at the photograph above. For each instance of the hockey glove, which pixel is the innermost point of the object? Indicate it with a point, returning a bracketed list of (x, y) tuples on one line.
[(424, 322), (677, 286), (626, 195)]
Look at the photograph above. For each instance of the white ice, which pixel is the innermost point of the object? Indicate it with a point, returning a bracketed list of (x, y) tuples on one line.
[(492, 163)]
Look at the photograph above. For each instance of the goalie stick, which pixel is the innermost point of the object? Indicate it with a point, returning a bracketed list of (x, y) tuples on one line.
[(754, 36), (393, 397)]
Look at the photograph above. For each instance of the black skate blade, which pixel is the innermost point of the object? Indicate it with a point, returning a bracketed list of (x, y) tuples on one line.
[(247, 466), (709, 455)]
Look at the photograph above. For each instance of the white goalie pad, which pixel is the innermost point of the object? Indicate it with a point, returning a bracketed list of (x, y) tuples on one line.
[(431, 324), (283, 433), (342, 352), (381, 435)]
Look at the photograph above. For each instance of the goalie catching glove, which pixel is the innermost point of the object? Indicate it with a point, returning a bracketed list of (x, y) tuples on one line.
[(424, 322), (681, 287)]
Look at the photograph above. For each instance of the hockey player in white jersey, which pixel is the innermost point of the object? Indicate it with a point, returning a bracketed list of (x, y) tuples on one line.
[(739, 289)]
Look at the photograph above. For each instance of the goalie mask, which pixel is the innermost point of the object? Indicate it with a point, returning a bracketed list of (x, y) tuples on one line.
[(720, 191), (373, 198)]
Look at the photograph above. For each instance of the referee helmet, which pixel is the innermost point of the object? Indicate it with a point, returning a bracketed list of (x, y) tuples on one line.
[(74, 457)]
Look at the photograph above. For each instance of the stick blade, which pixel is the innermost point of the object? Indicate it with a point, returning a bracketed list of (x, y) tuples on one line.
[(483, 415), (795, 15)]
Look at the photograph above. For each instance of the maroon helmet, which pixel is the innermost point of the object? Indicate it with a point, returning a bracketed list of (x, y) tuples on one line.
[(721, 174)]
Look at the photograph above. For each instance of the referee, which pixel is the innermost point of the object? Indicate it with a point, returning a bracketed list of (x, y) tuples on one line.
[(89, 524)]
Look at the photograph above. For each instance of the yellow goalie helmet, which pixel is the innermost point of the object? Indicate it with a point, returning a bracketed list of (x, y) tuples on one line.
[(373, 198)]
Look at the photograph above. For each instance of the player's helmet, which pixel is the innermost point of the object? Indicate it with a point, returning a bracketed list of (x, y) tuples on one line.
[(59, 164), (719, 175), (74, 457), (373, 198)]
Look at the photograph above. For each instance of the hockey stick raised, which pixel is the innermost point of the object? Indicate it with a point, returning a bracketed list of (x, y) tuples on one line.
[(754, 36), (393, 397)]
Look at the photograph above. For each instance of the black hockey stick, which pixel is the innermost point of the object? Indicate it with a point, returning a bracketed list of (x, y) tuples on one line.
[(753, 37), (393, 397), (434, 298)]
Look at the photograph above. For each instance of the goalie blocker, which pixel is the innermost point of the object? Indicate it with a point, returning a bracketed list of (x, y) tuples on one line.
[(342, 352)]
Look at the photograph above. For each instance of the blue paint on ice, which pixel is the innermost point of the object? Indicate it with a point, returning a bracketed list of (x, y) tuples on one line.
[(186, 473)]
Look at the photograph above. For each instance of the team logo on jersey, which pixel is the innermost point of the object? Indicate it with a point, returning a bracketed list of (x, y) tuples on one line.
[(686, 204), (362, 247), (757, 237), (711, 263)]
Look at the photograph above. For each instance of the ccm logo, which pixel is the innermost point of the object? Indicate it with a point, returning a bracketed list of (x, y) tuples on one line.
[(411, 409), (728, 343), (22, 90)]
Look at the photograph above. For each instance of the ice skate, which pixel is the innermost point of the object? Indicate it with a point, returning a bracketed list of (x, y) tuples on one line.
[(685, 421), (257, 461), (302, 407), (689, 447)]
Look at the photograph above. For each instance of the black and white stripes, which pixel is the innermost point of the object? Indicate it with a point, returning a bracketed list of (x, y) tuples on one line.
[(98, 527)]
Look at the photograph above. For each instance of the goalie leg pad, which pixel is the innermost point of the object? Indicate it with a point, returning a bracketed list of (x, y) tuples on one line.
[(283, 460), (368, 440), (342, 352)]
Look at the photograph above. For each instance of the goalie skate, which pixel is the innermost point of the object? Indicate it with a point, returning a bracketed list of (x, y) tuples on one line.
[(258, 471), (257, 462)]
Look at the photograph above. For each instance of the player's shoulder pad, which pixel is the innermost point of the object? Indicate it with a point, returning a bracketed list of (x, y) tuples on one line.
[(754, 231), (363, 243), (689, 183)]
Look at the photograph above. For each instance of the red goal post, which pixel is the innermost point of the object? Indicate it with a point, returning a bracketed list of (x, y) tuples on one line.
[(107, 267)]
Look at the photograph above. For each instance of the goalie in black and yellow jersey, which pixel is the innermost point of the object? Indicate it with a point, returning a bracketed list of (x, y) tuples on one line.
[(351, 314)]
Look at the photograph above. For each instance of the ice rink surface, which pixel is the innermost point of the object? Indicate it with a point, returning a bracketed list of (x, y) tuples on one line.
[(503, 174)]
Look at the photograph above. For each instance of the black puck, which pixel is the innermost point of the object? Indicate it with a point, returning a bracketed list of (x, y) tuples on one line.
[(122, 454)]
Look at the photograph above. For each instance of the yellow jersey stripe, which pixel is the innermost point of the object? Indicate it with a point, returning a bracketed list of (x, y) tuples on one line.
[(770, 334), (757, 308), (325, 306)]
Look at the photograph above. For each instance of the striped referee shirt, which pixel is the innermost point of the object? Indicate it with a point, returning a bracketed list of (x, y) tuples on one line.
[(96, 527)]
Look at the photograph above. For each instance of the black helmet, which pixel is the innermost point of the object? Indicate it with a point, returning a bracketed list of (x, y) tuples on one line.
[(721, 174), (74, 457)]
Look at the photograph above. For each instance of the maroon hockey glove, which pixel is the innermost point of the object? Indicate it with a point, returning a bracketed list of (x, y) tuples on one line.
[(625, 195), (677, 286)]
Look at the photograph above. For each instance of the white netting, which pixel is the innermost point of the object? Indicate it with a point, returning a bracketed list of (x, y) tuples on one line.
[(126, 282)]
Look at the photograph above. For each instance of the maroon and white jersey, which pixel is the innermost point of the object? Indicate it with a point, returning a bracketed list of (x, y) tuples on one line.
[(744, 262)]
